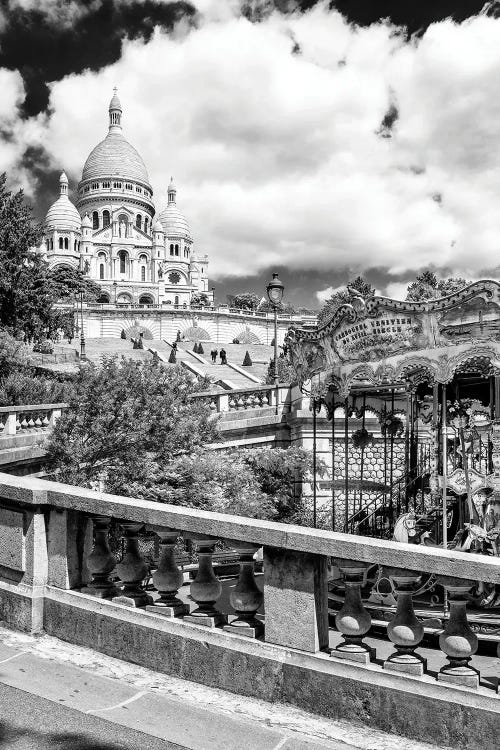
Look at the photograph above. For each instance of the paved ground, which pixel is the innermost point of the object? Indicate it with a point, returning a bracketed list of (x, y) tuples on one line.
[(55, 695)]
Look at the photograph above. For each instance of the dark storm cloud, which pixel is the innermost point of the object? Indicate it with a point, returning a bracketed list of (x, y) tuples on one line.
[(36, 161), (45, 49)]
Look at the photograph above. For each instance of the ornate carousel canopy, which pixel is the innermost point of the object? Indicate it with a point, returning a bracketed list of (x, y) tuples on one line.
[(383, 341)]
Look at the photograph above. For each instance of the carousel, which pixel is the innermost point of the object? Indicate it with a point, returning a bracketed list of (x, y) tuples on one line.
[(410, 392)]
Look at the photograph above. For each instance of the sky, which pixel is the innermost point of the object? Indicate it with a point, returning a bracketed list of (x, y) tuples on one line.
[(320, 140)]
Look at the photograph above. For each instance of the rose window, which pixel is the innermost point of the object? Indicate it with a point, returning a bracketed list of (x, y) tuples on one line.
[(174, 277)]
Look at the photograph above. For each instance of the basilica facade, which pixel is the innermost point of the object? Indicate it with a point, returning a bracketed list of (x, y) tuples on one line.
[(114, 234)]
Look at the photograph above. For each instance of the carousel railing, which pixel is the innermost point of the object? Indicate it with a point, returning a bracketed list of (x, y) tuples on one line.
[(378, 516)]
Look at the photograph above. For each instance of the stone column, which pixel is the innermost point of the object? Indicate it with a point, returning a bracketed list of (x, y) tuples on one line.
[(246, 597), (168, 578), (132, 569), (353, 620), (206, 589), (296, 599), (405, 630), (457, 640), (101, 561)]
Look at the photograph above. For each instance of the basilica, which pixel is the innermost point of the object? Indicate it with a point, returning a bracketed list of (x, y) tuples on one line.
[(114, 234)]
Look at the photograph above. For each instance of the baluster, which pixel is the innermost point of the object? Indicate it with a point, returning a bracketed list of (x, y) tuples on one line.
[(353, 620), (240, 403), (265, 399), (2, 424), (38, 421), (101, 561), (31, 421), (213, 405), (232, 403), (45, 421), (206, 589), (24, 423), (405, 630), (18, 424), (246, 597), (457, 640), (249, 401), (167, 579), (132, 569)]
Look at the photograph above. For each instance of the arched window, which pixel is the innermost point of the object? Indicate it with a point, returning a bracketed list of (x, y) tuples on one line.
[(143, 273), (60, 243), (146, 225), (101, 270), (66, 243), (105, 219), (138, 221), (171, 249), (123, 259), (177, 249), (95, 220)]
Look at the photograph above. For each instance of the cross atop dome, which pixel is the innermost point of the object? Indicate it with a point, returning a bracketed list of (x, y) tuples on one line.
[(115, 111)]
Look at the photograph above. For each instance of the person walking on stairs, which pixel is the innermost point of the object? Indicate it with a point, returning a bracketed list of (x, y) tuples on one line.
[(213, 354), (223, 357)]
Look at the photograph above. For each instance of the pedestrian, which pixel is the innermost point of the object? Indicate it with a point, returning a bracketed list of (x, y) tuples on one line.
[(213, 354), (223, 357), (174, 346)]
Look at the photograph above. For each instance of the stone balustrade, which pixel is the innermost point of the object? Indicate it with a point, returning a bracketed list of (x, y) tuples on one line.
[(243, 399), (15, 420), (58, 571)]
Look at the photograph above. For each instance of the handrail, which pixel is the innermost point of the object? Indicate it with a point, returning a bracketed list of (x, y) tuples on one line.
[(38, 493)]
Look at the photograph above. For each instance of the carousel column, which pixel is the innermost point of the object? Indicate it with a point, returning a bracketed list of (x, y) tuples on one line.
[(353, 620), (433, 479), (457, 640), (405, 630)]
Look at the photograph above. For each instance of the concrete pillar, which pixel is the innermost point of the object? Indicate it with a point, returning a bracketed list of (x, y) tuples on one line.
[(69, 543), (296, 599)]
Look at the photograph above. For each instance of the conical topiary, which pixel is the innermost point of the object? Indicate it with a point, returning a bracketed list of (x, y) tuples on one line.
[(172, 359), (123, 335), (201, 350), (195, 347), (247, 362)]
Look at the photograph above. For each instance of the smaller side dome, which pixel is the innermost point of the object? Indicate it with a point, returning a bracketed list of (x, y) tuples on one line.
[(63, 214), (173, 221), (86, 221), (158, 227)]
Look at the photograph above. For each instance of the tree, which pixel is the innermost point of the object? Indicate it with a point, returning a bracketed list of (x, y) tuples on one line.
[(126, 422), (286, 373), (244, 301), (201, 298), (357, 286), (428, 286), (25, 388), (13, 354), (69, 283), (26, 299)]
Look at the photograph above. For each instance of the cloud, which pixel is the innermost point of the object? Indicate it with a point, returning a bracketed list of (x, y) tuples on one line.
[(322, 295), (278, 157)]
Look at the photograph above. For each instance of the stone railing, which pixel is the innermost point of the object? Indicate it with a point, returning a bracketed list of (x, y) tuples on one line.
[(57, 571), (242, 399), (16, 420)]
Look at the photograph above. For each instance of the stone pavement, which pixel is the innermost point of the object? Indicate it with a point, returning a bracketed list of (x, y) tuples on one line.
[(63, 692)]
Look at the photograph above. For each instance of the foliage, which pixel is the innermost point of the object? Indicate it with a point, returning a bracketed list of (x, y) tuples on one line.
[(362, 438), (391, 424), (428, 286), (286, 373), (282, 308), (356, 287), (244, 301), (126, 421), (201, 298), (460, 412), (201, 350), (13, 353), (25, 388), (257, 482), (43, 347), (69, 283)]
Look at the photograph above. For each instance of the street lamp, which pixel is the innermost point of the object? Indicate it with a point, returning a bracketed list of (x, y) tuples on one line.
[(275, 291), (82, 337), (213, 297)]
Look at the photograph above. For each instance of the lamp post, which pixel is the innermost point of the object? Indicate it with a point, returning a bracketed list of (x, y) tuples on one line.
[(213, 297), (82, 337), (275, 291)]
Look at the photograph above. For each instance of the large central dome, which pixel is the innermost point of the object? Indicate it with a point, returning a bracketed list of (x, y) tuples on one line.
[(114, 156)]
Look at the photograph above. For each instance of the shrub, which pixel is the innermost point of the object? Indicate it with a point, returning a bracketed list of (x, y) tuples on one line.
[(200, 349), (123, 335), (172, 358), (247, 361)]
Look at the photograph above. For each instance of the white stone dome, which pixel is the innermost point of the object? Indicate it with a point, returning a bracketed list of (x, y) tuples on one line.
[(115, 157), (63, 214), (173, 221), (158, 227)]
